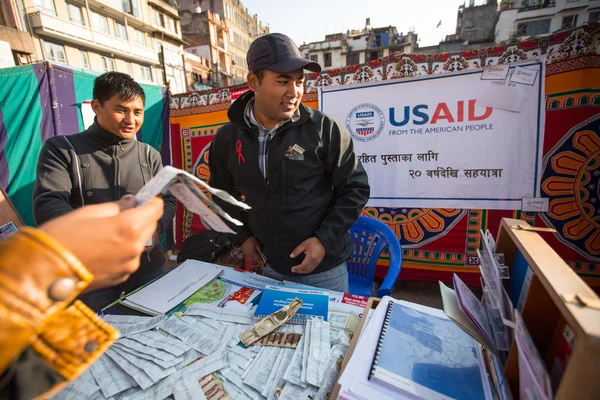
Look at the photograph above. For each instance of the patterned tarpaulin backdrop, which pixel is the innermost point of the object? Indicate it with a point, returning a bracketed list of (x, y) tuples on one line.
[(437, 242), (42, 100)]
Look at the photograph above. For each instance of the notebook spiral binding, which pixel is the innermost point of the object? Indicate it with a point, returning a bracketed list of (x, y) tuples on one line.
[(386, 321)]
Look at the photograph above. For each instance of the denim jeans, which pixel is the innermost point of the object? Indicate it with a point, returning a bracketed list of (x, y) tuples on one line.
[(334, 279), (98, 299)]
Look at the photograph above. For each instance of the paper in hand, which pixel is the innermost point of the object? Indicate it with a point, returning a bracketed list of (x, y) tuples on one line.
[(184, 187)]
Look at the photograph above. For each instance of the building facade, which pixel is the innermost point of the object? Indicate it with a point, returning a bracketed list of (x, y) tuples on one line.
[(359, 46), (198, 72), (522, 19), (206, 36), (18, 46), (243, 28), (139, 37)]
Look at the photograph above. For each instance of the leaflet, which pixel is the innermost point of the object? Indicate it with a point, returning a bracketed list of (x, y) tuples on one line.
[(162, 342), (269, 387), (306, 350), (221, 314), (111, 379), (294, 392), (318, 350), (278, 381), (137, 346), (153, 370), (257, 377), (139, 376), (165, 364), (235, 379), (334, 366), (205, 344), (188, 388), (293, 373), (133, 324)]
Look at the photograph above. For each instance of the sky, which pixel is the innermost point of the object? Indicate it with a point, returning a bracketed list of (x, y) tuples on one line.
[(310, 20)]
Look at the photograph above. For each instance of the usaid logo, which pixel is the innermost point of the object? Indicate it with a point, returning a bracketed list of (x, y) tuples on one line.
[(365, 122)]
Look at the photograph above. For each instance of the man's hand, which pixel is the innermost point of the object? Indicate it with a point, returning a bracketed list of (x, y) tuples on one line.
[(107, 238), (155, 240), (314, 251), (251, 249)]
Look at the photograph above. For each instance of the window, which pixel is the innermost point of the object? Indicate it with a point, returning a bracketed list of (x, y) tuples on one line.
[(170, 24), (75, 14), (569, 102), (46, 5), (131, 7), (584, 100), (327, 58), (54, 52), (594, 17), (139, 37), (146, 73), (569, 21), (85, 61), (314, 57), (531, 28), (127, 68), (157, 18), (121, 30), (108, 64), (374, 55), (99, 22), (353, 59)]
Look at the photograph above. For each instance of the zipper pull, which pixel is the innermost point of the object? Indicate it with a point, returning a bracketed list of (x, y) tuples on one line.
[(121, 145)]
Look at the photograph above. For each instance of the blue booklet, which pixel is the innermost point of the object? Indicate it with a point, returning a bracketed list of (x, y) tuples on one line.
[(315, 302), (422, 352)]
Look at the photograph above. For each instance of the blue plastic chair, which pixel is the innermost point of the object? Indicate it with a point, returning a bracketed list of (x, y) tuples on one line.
[(370, 237)]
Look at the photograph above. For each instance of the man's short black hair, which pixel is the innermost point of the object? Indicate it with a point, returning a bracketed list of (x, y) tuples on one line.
[(111, 84), (260, 74)]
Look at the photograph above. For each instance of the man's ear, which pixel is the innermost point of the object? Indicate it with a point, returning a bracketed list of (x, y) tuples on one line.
[(253, 81), (96, 106)]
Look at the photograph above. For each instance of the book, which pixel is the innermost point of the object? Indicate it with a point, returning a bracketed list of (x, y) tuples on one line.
[(421, 352), (315, 302), (168, 291)]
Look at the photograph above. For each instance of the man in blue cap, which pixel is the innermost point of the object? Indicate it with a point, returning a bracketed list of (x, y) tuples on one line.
[(295, 167)]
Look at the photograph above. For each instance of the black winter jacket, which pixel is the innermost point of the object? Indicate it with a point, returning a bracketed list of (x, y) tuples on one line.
[(94, 167), (318, 191)]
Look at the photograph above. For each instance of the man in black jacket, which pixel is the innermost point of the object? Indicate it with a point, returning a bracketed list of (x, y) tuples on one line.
[(101, 164), (295, 167)]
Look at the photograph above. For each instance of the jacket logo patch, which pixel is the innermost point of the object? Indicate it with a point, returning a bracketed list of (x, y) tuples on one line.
[(292, 153)]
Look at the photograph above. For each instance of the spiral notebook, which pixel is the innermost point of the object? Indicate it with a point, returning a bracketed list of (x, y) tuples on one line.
[(315, 302), (422, 352)]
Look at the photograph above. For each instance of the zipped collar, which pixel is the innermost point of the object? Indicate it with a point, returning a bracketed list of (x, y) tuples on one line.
[(105, 138), (237, 110)]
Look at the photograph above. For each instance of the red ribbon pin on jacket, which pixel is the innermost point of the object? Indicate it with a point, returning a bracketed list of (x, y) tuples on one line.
[(238, 150)]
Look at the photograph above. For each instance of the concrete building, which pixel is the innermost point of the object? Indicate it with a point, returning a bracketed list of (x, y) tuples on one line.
[(475, 29), (17, 45), (243, 29), (476, 24), (359, 46), (206, 35), (139, 37), (522, 19), (198, 72)]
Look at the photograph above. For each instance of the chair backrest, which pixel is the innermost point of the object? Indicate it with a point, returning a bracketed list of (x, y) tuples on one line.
[(370, 238)]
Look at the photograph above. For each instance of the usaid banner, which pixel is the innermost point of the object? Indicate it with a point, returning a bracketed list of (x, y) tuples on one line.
[(468, 140)]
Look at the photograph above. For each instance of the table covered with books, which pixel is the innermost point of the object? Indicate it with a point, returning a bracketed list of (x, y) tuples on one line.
[(214, 332), (180, 338)]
